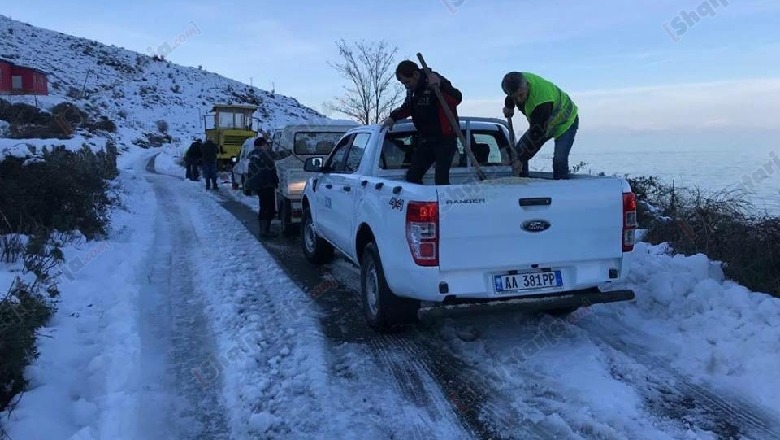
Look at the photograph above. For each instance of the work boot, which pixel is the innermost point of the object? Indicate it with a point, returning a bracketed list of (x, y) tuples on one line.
[(267, 230)]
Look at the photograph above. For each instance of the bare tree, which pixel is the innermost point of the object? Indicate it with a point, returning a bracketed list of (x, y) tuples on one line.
[(370, 70)]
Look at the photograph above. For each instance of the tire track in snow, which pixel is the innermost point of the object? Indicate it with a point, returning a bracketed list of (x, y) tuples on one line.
[(175, 333), (417, 353), (342, 323), (672, 395), (422, 369), (377, 410)]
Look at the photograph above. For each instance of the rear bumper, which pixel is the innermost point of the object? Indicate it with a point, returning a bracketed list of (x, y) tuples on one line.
[(432, 285), (553, 300)]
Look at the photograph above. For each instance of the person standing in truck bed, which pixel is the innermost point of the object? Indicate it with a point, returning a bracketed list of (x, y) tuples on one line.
[(551, 114), (436, 141)]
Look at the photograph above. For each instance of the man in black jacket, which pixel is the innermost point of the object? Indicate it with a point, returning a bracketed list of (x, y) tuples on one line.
[(209, 157), (192, 159), (262, 178), (436, 139)]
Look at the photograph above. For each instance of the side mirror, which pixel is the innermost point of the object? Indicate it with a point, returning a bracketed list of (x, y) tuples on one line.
[(313, 164)]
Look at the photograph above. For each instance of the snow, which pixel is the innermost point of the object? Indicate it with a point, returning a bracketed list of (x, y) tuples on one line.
[(719, 327), (130, 89), (181, 322), (269, 346), (85, 372)]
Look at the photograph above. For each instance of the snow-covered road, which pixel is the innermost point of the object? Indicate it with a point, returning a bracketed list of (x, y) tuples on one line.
[(175, 332), (208, 333), (245, 331)]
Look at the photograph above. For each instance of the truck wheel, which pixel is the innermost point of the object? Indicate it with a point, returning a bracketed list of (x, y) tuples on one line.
[(247, 192), (233, 181), (383, 310), (316, 249), (285, 216)]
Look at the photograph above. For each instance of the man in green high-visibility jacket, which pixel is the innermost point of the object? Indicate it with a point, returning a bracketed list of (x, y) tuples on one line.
[(551, 114)]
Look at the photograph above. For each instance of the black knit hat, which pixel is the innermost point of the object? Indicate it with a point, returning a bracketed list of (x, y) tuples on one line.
[(260, 141), (512, 82)]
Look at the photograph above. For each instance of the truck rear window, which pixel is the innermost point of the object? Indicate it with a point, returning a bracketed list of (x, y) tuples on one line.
[(488, 146), (316, 143)]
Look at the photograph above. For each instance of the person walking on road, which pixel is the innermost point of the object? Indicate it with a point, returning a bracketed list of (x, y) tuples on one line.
[(263, 179)]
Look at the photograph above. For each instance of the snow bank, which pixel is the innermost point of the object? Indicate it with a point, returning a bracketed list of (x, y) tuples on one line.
[(84, 383), (719, 328)]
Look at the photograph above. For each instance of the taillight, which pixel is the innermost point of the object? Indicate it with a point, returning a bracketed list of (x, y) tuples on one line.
[(629, 221), (422, 232)]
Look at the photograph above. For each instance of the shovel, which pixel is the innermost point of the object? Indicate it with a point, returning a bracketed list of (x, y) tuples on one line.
[(454, 123), (516, 165)]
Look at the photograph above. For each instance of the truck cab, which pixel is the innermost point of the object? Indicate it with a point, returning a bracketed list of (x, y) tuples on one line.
[(293, 145), (228, 126)]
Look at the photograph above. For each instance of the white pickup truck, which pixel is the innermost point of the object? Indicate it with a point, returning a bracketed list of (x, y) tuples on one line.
[(548, 242)]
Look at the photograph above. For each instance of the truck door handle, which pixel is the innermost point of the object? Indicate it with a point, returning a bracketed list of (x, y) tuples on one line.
[(346, 188), (535, 201), (328, 186)]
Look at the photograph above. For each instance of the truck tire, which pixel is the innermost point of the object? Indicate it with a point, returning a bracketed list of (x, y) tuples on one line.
[(316, 249), (285, 216), (384, 311)]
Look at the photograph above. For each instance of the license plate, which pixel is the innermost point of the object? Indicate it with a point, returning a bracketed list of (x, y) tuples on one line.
[(525, 281)]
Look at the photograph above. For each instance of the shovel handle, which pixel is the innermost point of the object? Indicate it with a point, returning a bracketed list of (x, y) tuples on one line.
[(453, 122), (512, 153)]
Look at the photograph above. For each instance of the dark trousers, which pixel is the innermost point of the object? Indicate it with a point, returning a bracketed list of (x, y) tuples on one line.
[(267, 210), (432, 150), (193, 172), (210, 174), (561, 152)]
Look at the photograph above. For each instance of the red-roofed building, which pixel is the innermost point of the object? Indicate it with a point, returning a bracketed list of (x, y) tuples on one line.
[(15, 79)]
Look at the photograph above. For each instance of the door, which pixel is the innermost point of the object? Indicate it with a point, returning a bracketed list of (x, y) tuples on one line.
[(325, 188), (346, 186)]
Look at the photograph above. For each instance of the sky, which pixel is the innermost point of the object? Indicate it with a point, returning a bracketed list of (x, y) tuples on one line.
[(690, 67)]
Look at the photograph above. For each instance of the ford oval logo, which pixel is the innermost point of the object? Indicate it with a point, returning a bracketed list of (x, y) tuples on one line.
[(536, 225)]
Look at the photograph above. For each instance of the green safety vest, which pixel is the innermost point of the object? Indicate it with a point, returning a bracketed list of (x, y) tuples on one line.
[(564, 110)]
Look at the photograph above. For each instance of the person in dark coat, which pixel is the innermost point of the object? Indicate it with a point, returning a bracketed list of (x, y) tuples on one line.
[(192, 159), (210, 151), (262, 178), (437, 141)]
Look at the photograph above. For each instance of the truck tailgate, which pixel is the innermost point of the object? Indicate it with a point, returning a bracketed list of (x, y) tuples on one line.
[(492, 226)]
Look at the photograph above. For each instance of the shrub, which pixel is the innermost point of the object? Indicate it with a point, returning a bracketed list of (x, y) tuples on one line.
[(22, 312), (25, 308), (65, 190), (720, 225)]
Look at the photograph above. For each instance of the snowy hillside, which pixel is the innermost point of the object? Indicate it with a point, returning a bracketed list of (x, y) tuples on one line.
[(131, 89)]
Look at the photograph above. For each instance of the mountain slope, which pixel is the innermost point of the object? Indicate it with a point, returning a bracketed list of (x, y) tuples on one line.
[(131, 89)]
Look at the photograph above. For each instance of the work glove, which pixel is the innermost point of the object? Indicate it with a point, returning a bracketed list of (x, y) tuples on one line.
[(509, 107), (388, 122)]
